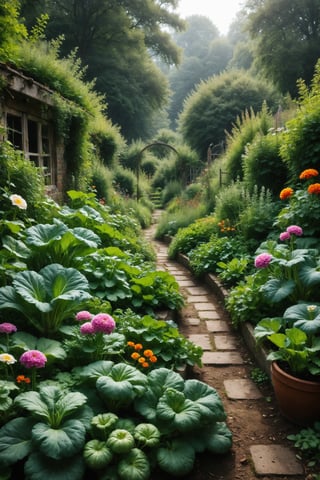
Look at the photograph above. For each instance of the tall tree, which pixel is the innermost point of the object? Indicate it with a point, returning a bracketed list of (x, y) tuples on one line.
[(205, 54), (287, 36), (116, 41)]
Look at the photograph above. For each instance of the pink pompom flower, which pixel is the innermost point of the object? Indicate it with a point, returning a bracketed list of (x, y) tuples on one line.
[(87, 328), (284, 236), (104, 323), (262, 260), (83, 316), (295, 230), (7, 327), (33, 359)]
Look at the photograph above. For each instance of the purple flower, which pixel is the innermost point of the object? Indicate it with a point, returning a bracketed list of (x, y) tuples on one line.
[(87, 328), (284, 236), (103, 323), (7, 327), (295, 230), (83, 316), (262, 260), (33, 358)]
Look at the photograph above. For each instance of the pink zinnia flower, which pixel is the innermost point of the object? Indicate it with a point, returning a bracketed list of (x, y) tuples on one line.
[(262, 260), (284, 236), (83, 316), (295, 230), (87, 328), (103, 323), (33, 358), (7, 327)]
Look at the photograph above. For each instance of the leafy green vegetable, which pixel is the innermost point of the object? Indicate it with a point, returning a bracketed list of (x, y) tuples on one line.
[(96, 454), (176, 458), (134, 466), (147, 435), (120, 441)]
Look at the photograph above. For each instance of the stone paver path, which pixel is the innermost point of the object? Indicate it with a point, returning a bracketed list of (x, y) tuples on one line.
[(220, 350)]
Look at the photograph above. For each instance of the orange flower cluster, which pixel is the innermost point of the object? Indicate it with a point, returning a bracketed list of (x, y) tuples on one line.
[(286, 193), (314, 189), (146, 358), (225, 227), (23, 379), (308, 173)]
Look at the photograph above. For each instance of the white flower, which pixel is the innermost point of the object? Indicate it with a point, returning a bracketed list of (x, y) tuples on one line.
[(18, 201), (7, 358)]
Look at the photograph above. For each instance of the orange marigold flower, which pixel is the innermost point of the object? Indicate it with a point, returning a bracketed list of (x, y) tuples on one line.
[(308, 173), (314, 188), (145, 365), (135, 355), (153, 359), (22, 379), (138, 346), (141, 360), (286, 193), (148, 353), (130, 344)]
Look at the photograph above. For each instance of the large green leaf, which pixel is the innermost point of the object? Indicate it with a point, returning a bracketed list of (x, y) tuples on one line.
[(276, 290), (134, 466), (304, 316), (176, 458), (178, 412), (15, 246), (32, 288), (86, 236), (51, 403), (266, 327), (206, 398), (94, 370), (64, 283), (58, 443), (218, 439), (40, 467), (15, 440), (162, 378), (42, 235)]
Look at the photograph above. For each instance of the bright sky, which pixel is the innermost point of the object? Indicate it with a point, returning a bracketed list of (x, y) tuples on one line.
[(220, 12)]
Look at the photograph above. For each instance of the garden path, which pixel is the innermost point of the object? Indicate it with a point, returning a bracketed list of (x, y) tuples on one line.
[(260, 446)]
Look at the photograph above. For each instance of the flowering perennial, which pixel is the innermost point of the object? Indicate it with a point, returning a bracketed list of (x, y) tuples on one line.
[(104, 323), (7, 358), (33, 358), (147, 356), (262, 260), (7, 327), (83, 316), (18, 201), (286, 193), (23, 379), (314, 189), (308, 173), (295, 230)]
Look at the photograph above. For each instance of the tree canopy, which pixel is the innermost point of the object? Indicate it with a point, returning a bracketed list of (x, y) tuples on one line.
[(116, 42), (287, 38), (213, 108)]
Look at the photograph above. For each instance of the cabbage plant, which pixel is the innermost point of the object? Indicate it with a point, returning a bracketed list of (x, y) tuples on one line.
[(46, 298), (50, 437)]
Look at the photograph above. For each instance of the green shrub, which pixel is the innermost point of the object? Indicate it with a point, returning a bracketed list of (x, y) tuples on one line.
[(189, 237), (102, 182), (20, 176), (245, 302), (242, 134), (262, 164), (300, 146), (205, 257), (230, 202), (257, 218), (172, 189), (124, 181)]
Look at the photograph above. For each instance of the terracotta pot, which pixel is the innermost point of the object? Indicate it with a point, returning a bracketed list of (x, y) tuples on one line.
[(298, 400)]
